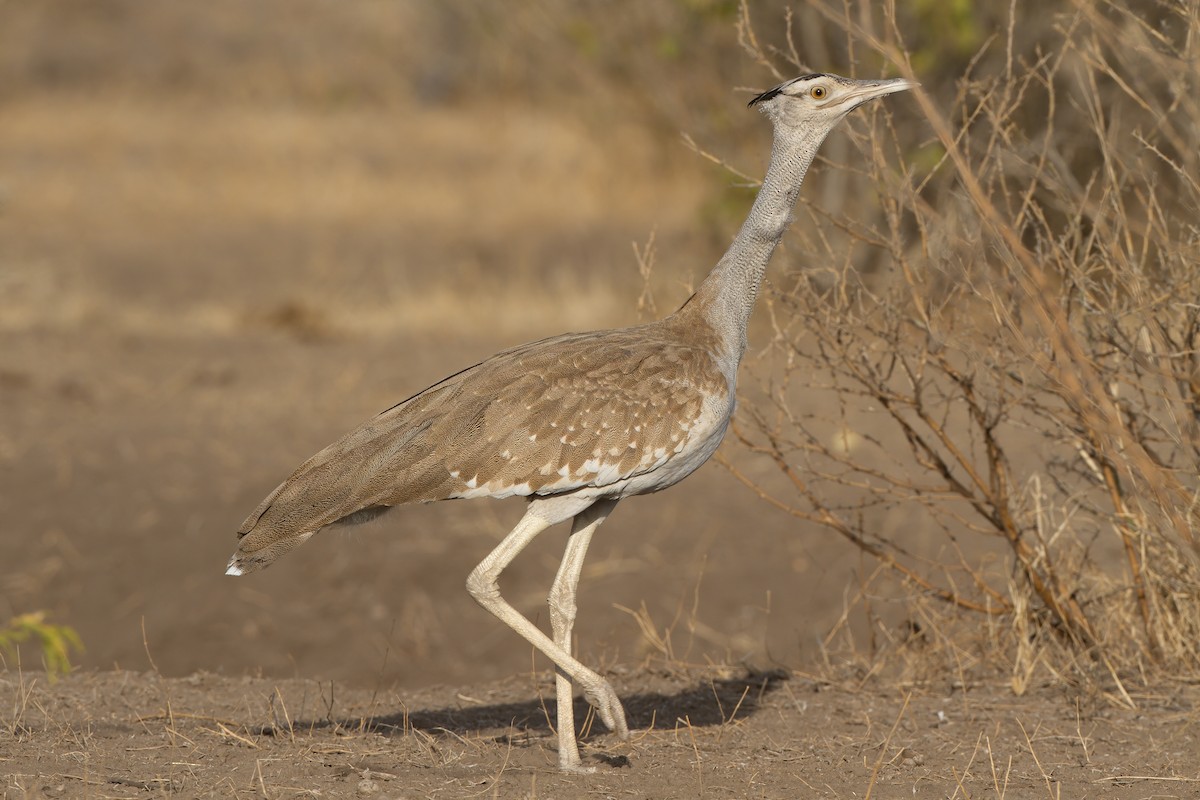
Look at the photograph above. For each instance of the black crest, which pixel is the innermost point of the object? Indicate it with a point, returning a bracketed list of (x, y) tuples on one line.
[(769, 93)]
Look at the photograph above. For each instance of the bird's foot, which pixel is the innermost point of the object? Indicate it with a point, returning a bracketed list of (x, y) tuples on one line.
[(608, 707)]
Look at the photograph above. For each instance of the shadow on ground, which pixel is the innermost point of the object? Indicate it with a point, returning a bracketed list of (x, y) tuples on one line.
[(713, 702)]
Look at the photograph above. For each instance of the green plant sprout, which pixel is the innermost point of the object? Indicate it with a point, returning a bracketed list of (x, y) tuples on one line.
[(56, 641)]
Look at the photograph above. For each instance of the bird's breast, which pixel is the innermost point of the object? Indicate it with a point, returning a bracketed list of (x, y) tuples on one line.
[(701, 437)]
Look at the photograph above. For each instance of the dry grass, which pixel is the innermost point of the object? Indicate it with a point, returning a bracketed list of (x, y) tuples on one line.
[(702, 731), (1019, 381), (369, 197)]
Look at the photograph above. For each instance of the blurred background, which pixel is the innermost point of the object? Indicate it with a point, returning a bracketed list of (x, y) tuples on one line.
[(231, 231)]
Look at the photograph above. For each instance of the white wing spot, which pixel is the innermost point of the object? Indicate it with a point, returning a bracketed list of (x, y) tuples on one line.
[(495, 489), (533, 437), (608, 473)]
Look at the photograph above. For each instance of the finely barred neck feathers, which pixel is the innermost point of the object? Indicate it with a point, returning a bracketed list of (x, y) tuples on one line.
[(803, 111)]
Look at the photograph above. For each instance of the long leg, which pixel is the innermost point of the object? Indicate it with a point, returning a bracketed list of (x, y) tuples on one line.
[(562, 620), (482, 584)]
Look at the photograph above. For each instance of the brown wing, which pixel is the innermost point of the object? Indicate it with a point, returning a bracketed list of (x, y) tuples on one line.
[(558, 415), (590, 414)]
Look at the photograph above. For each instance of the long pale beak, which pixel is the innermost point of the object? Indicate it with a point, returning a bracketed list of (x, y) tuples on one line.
[(869, 90)]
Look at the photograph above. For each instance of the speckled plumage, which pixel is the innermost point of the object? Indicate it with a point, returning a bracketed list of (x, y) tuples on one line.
[(574, 423), (589, 413)]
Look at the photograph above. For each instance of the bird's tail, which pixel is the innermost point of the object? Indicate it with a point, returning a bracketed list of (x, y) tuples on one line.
[(384, 462), (259, 548), (246, 560)]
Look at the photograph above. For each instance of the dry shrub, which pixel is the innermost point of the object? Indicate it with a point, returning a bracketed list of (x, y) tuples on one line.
[(990, 385)]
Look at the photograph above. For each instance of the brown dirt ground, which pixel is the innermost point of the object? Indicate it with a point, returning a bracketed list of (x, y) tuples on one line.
[(201, 284), (713, 733)]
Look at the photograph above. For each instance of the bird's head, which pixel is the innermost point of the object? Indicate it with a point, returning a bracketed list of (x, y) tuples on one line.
[(819, 101)]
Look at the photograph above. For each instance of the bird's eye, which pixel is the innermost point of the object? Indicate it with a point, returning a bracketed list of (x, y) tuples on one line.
[(818, 93)]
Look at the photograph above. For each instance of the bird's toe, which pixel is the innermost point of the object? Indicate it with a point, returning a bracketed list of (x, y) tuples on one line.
[(608, 707)]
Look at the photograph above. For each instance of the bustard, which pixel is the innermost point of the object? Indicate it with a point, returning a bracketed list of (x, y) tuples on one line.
[(575, 422)]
